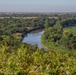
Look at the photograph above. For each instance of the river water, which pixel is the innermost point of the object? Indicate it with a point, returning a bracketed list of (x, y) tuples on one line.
[(34, 38)]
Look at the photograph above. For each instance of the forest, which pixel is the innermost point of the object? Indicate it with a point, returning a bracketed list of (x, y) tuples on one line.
[(59, 38)]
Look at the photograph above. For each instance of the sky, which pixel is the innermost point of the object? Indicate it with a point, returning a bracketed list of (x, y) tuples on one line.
[(37, 5)]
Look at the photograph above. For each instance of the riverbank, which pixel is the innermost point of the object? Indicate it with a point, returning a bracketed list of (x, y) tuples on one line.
[(49, 47), (44, 47), (30, 31)]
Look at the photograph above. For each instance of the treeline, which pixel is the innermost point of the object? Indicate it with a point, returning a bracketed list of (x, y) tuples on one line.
[(68, 22), (17, 27), (10, 26), (27, 14), (58, 37)]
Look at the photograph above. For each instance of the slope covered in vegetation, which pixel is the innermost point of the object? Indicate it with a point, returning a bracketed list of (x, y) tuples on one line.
[(29, 60)]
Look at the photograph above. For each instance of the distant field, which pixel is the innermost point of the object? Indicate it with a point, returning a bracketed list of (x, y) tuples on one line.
[(53, 17), (19, 17), (27, 17), (72, 29)]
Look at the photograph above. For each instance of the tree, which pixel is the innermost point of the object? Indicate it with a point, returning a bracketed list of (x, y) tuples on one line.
[(46, 23)]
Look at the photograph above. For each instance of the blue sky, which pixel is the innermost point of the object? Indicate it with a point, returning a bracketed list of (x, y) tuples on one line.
[(37, 5)]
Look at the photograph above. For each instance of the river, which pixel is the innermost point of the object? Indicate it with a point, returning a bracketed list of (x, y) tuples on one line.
[(34, 38)]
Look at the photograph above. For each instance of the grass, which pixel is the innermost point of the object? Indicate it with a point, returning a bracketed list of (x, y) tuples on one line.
[(19, 17), (51, 47), (72, 29)]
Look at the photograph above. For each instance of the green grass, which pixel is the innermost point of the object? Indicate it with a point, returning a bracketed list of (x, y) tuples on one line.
[(72, 29), (52, 47)]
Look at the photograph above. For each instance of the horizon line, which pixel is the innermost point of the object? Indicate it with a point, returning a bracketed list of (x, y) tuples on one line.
[(34, 12)]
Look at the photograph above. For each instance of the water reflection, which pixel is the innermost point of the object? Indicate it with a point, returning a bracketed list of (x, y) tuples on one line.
[(33, 38)]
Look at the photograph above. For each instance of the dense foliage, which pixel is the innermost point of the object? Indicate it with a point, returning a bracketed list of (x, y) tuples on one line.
[(56, 36), (29, 60), (72, 29), (16, 27), (17, 58)]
